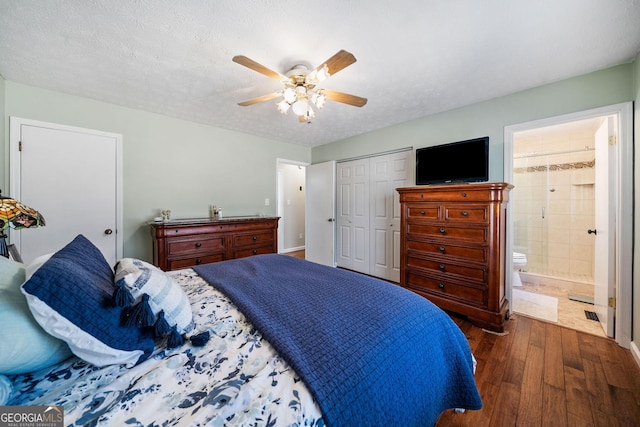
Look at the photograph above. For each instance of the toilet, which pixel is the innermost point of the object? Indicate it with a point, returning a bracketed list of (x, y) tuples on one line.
[(519, 262)]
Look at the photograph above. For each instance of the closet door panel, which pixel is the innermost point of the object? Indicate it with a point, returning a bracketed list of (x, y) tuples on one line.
[(353, 217), (389, 172)]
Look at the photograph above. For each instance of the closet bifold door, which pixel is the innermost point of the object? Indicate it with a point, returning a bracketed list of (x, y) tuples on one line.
[(368, 213), (352, 215)]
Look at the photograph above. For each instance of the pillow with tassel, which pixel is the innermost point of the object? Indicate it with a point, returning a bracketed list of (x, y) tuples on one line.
[(151, 298)]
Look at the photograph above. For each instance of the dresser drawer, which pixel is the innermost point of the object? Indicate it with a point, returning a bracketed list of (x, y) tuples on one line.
[(474, 234), (466, 271), (454, 193), (467, 253), (441, 287), (242, 253), (453, 213), (423, 211), (176, 264), (258, 238), (202, 245)]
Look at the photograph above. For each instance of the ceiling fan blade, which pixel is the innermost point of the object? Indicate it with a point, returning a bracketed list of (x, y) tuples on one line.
[(250, 63), (259, 99), (337, 62), (345, 98)]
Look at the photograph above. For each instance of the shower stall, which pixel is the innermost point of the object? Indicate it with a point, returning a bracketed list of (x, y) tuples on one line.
[(553, 205)]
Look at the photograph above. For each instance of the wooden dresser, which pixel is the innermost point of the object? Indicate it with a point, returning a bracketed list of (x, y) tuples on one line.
[(452, 248), (188, 242)]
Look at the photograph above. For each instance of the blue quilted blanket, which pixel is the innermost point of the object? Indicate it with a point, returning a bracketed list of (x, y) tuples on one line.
[(372, 353)]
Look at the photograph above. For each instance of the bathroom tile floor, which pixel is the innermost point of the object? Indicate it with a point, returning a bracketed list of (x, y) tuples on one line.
[(570, 313)]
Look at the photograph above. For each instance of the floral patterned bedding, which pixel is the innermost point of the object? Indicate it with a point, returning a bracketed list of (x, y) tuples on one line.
[(237, 378)]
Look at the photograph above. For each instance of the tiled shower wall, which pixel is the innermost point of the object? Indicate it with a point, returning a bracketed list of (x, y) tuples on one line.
[(553, 204)]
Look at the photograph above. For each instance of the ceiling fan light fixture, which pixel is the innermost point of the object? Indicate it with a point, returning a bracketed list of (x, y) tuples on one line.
[(283, 106), (300, 107), (322, 73), (319, 99), (290, 95)]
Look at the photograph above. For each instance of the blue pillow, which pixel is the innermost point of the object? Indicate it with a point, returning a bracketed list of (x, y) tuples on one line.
[(24, 345), (70, 296)]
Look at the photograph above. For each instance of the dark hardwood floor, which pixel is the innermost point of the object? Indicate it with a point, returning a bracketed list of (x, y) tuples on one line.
[(541, 374)]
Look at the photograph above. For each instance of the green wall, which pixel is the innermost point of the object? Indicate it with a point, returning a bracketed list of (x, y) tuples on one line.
[(489, 118), (167, 163)]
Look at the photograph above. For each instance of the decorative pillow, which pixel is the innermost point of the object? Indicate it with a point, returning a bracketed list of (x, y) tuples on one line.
[(24, 345), (70, 297), (154, 298)]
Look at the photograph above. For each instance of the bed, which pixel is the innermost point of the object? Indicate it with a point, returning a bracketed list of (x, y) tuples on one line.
[(269, 340)]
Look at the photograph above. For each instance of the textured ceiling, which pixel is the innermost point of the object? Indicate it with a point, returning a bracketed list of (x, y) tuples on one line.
[(414, 58)]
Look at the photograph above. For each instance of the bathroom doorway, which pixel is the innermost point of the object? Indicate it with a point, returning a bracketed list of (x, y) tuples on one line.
[(552, 164)]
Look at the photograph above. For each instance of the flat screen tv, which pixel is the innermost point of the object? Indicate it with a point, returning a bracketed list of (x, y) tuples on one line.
[(457, 162)]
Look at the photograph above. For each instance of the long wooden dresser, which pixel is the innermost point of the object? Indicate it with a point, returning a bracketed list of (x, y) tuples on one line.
[(453, 248), (188, 242)]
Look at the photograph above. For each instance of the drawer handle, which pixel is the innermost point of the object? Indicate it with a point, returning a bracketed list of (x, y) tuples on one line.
[(441, 286), (255, 251), (421, 212), (441, 267), (441, 249), (255, 237), (198, 261), (464, 194), (465, 213), (442, 230), (198, 244)]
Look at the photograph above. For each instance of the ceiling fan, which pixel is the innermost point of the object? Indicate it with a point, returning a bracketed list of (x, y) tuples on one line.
[(300, 92)]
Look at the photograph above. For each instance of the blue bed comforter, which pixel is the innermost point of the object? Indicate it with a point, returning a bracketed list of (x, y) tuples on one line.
[(372, 353)]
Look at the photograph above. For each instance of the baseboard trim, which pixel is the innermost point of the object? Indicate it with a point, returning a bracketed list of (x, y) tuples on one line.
[(635, 352), (287, 250)]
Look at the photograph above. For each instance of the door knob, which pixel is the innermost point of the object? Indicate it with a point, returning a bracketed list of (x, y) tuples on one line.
[(592, 231), (330, 220), (108, 231)]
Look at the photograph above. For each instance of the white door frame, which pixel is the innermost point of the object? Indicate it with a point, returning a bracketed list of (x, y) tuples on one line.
[(15, 124), (279, 196), (624, 213)]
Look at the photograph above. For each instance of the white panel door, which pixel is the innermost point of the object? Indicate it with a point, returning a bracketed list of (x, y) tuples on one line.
[(388, 172), (320, 213), (605, 202), (353, 215), (72, 177)]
